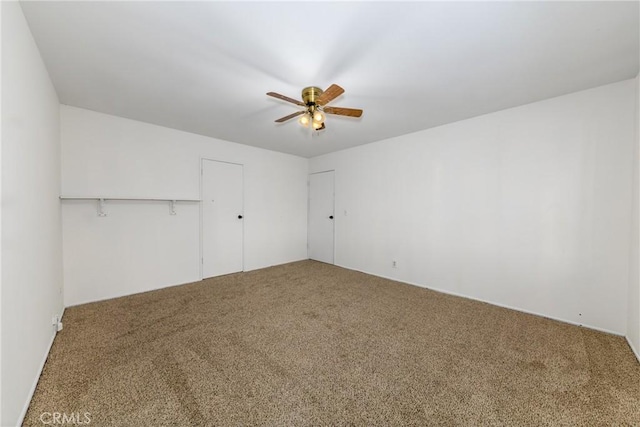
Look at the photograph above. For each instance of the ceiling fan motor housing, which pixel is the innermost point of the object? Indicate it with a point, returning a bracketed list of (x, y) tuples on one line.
[(311, 94)]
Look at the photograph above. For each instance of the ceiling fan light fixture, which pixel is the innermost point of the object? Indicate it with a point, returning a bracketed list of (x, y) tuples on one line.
[(318, 116), (304, 120)]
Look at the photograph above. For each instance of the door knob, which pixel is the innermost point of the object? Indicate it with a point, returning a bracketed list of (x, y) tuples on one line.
[(239, 216), (331, 217)]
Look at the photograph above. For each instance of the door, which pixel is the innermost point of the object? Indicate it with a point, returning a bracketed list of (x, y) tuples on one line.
[(222, 218), (321, 221)]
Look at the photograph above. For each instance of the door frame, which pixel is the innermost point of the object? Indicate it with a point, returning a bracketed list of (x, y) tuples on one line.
[(335, 216), (201, 228)]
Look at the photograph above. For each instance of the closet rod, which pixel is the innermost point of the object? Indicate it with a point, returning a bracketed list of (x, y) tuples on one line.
[(153, 199)]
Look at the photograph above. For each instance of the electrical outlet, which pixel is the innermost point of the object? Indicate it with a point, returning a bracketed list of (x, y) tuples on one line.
[(55, 321), (394, 264)]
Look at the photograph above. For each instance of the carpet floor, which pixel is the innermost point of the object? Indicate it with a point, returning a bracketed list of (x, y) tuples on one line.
[(313, 344)]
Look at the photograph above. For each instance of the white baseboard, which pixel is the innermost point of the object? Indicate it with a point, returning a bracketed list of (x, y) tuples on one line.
[(444, 291), (635, 350), (37, 378), (246, 270), (190, 281)]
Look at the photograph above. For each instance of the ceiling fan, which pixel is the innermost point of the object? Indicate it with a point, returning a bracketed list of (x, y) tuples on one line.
[(315, 100)]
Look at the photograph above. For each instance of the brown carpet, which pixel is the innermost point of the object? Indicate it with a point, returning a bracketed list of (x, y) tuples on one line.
[(313, 344)]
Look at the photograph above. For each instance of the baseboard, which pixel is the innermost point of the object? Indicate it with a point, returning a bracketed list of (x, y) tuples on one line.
[(273, 265), (445, 291), (635, 350), (195, 280), (37, 378), (127, 294)]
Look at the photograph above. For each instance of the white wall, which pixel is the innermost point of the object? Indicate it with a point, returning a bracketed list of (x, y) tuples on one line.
[(633, 315), (1, 8), (139, 246), (31, 227), (527, 207)]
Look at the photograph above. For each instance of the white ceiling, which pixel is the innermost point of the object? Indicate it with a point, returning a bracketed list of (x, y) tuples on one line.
[(204, 67)]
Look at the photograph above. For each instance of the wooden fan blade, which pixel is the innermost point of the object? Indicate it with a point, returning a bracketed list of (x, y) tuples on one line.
[(290, 116), (285, 98), (330, 94), (351, 112)]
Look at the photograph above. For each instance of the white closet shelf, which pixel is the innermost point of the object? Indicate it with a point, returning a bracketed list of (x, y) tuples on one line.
[(101, 200), (153, 199)]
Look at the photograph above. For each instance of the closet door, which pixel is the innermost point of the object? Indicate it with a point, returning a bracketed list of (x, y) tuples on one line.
[(222, 218), (321, 222)]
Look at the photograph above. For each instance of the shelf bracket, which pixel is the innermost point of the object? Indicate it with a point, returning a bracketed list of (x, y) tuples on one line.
[(101, 211), (172, 207)]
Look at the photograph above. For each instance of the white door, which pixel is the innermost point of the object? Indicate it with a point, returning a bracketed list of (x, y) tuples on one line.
[(222, 218), (321, 216)]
